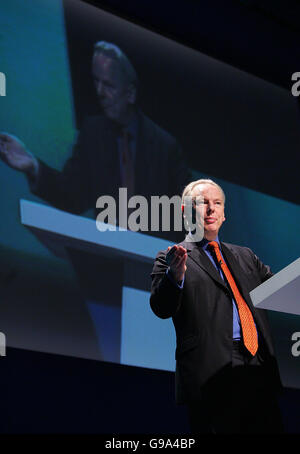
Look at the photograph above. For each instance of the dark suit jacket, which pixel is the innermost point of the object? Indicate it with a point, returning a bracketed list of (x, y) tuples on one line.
[(203, 318), (94, 170)]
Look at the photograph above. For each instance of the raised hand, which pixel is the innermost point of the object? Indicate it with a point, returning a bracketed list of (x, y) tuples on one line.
[(176, 259), (13, 152)]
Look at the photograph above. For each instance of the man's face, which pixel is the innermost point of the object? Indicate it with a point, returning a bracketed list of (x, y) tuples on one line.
[(210, 208), (114, 94)]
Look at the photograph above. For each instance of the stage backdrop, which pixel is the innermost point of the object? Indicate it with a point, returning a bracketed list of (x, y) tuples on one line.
[(232, 127)]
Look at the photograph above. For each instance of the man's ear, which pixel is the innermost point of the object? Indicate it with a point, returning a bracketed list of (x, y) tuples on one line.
[(131, 94)]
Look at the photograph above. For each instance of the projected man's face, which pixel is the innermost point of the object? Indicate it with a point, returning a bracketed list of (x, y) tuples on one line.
[(115, 95)]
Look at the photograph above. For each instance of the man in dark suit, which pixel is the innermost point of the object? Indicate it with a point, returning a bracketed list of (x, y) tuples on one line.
[(226, 372), (120, 148)]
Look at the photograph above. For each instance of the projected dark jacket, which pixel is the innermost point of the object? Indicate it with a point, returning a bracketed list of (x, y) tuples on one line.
[(94, 167), (202, 315)]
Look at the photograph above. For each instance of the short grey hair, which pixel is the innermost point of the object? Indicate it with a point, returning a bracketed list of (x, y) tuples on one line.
[(188, 190), (114, 52)]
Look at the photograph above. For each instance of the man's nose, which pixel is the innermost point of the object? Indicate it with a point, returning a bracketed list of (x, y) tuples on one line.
[(210, 207)]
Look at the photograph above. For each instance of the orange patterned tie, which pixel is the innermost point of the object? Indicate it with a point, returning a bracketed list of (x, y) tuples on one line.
[(246, 318)]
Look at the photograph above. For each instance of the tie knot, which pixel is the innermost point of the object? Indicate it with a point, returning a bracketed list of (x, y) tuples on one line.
[(213, 245)]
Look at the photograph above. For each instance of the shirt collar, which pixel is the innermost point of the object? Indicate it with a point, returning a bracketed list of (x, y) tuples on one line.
[(132, 127), (204, 243)]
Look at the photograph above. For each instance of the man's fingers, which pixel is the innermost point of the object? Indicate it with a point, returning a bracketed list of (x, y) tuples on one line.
[(175, 256), (183, 257), (178, 253), (170, 254), (179, 261), (3, 149), (5, 137)]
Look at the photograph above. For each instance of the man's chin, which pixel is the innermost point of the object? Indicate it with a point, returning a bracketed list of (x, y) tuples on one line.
[(210, 231), (112, 117)]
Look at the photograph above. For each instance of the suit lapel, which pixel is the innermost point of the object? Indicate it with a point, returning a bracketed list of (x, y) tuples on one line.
[(108, 142), (198, 255)]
